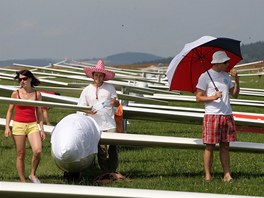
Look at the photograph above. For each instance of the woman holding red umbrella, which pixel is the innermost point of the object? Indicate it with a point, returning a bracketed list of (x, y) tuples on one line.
[(218, 123)]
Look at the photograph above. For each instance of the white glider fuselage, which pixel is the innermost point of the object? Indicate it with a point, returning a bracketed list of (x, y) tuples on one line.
[(74, 142)]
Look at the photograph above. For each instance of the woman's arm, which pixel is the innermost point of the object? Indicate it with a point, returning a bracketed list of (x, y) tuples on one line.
[(40, 117), (9, 114)]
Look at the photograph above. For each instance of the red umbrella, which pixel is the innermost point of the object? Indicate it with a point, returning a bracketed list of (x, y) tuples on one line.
[(195, 58)]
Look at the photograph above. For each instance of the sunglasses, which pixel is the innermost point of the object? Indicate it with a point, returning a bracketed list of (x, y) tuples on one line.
[(24, 79)]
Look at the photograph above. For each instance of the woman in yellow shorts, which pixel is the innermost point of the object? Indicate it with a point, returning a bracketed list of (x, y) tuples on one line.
[(25, 125)]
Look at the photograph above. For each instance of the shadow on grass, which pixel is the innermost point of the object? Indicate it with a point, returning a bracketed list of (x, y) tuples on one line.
[(88, 178), (135, 174), (248, 175)]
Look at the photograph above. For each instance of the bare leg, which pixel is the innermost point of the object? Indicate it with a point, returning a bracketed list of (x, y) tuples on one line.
[(20, 142), (208, 160), (225, 160), (46, 116), (36, 145)]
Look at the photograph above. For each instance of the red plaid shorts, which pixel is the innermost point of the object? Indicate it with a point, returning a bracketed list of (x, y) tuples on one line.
[(218, 128)]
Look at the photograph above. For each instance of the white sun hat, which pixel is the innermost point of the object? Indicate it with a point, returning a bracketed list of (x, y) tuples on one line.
[(219, 57)]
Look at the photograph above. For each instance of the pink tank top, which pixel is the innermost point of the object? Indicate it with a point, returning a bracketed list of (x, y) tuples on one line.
[(25, 113)]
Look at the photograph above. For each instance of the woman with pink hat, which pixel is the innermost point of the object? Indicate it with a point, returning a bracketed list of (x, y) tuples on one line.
[(102, 97)]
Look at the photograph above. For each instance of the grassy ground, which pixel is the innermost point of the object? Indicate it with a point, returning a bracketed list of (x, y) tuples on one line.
[(156, 168)]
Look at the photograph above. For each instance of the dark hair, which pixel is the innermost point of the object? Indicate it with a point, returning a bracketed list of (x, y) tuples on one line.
[(25, 72)]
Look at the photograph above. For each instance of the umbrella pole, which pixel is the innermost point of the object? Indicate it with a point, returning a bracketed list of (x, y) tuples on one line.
[(201, 60), (216, 89)]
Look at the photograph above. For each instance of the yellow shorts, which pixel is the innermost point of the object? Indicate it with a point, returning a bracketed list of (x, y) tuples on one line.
[(24, 128)]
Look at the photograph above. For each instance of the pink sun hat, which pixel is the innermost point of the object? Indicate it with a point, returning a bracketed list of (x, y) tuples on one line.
[(100, 67)]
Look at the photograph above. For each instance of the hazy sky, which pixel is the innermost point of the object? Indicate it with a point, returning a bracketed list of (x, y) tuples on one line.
[(99, 28)]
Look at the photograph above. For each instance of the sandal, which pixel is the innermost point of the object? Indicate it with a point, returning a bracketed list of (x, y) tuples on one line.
[(103, 179), (34, 180), (108, 178), (228, 180), (117, 176)]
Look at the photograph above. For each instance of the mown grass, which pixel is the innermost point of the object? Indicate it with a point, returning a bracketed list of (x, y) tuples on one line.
[(156, 168)]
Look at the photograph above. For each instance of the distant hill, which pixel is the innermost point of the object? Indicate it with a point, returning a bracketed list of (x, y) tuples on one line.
[(127, 58), (36, 62), (117, 59), (130, 58), (250, 52)]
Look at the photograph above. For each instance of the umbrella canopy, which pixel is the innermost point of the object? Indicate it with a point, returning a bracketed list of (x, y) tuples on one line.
[(195, 58)]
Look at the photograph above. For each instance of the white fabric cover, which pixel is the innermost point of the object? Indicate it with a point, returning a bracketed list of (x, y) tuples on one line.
[(74, 142)]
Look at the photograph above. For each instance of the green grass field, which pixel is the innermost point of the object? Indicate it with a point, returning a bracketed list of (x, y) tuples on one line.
[(156, 168)]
